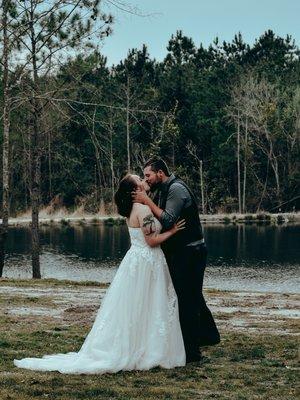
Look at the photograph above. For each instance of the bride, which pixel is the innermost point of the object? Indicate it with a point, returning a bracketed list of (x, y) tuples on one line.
[(137, 326)]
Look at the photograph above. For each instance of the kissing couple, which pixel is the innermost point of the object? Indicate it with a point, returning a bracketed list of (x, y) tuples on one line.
[(154, 313)]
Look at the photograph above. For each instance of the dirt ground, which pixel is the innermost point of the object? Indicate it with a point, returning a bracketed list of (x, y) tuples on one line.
[(237, 311), (256, 359)]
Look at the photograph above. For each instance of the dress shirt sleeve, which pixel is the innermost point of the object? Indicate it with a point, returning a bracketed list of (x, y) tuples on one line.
[(176, 200)]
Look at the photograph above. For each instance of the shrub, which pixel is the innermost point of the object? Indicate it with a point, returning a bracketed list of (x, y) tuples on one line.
[(263, 217), (280, 219)]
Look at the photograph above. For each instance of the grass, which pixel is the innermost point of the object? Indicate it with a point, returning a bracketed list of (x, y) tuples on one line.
[(263, 217), (47, 282), (243, 366)]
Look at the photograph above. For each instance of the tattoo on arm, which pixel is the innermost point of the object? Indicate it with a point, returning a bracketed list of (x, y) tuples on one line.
[(149, 225)]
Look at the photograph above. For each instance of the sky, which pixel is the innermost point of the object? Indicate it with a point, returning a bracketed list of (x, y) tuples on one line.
[(202, 20)]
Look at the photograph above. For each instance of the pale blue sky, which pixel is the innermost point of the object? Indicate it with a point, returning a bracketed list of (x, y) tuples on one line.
[(202, 20)]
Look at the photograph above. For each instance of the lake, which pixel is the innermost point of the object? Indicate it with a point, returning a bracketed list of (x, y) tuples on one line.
[(241, 257)]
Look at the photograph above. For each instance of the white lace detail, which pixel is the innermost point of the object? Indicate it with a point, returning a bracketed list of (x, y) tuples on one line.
[(162, 328), (172, 303), (137, 325)]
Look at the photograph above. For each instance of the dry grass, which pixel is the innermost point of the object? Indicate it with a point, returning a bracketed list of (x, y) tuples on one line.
[(244, 366)]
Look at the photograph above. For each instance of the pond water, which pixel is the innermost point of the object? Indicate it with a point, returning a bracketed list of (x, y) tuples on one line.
[(241, 257)]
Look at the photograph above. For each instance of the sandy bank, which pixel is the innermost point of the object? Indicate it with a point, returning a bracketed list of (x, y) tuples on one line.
[(64, 217)]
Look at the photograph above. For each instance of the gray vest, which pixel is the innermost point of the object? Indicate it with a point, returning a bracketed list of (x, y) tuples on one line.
[(193, 229)]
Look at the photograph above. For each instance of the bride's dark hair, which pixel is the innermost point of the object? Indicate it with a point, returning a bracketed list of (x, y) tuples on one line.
[(123, 197)]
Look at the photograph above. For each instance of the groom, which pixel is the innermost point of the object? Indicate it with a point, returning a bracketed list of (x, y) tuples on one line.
[(185, 253)]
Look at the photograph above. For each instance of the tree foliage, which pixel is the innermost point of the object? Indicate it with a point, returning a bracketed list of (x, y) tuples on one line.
[(185, 109)]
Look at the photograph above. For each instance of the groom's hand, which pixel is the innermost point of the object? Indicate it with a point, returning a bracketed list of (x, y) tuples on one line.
[(140, 196)]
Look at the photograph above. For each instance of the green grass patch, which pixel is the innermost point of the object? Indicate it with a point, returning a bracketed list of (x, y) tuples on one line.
[(49, 282), (241, 367)]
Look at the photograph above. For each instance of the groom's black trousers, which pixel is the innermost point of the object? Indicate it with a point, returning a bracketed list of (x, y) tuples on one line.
[(187, 265)]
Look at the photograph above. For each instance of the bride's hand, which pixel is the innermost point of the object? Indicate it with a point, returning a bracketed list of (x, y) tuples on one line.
[(178, 226)]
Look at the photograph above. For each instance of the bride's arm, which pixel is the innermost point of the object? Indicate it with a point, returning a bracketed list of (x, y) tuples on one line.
[(148, 226)]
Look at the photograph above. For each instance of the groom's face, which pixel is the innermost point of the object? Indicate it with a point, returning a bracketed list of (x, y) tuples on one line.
[(152, 178)]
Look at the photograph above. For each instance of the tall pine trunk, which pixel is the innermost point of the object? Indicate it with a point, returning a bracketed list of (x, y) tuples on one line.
[(245, 166), (50, 165), (35, 168), (202, 188), (99, 171), (128, 124), (112, 171), (239, 163), (5, 145)]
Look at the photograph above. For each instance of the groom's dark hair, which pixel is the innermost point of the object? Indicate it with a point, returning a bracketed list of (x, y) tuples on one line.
[(157, 164)]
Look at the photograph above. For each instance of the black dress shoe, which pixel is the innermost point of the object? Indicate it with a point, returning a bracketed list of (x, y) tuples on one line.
[(194, 357)]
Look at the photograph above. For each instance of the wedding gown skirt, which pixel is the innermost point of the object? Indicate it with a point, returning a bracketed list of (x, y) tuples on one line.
[(137, 326)]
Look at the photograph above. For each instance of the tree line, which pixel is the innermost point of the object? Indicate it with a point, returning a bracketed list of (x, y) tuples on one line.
[(226, 118)]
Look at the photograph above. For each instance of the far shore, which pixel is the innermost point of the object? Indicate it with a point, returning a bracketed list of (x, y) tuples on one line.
[(114, 219)]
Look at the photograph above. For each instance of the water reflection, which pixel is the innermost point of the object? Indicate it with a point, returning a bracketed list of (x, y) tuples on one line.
[(269, 243), (265, 253), (88, 241)]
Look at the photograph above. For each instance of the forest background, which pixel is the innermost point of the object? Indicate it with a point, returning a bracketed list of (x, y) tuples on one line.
[(226, 118)]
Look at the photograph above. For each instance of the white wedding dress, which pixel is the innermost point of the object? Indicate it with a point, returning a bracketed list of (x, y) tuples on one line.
[(137, 326)]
